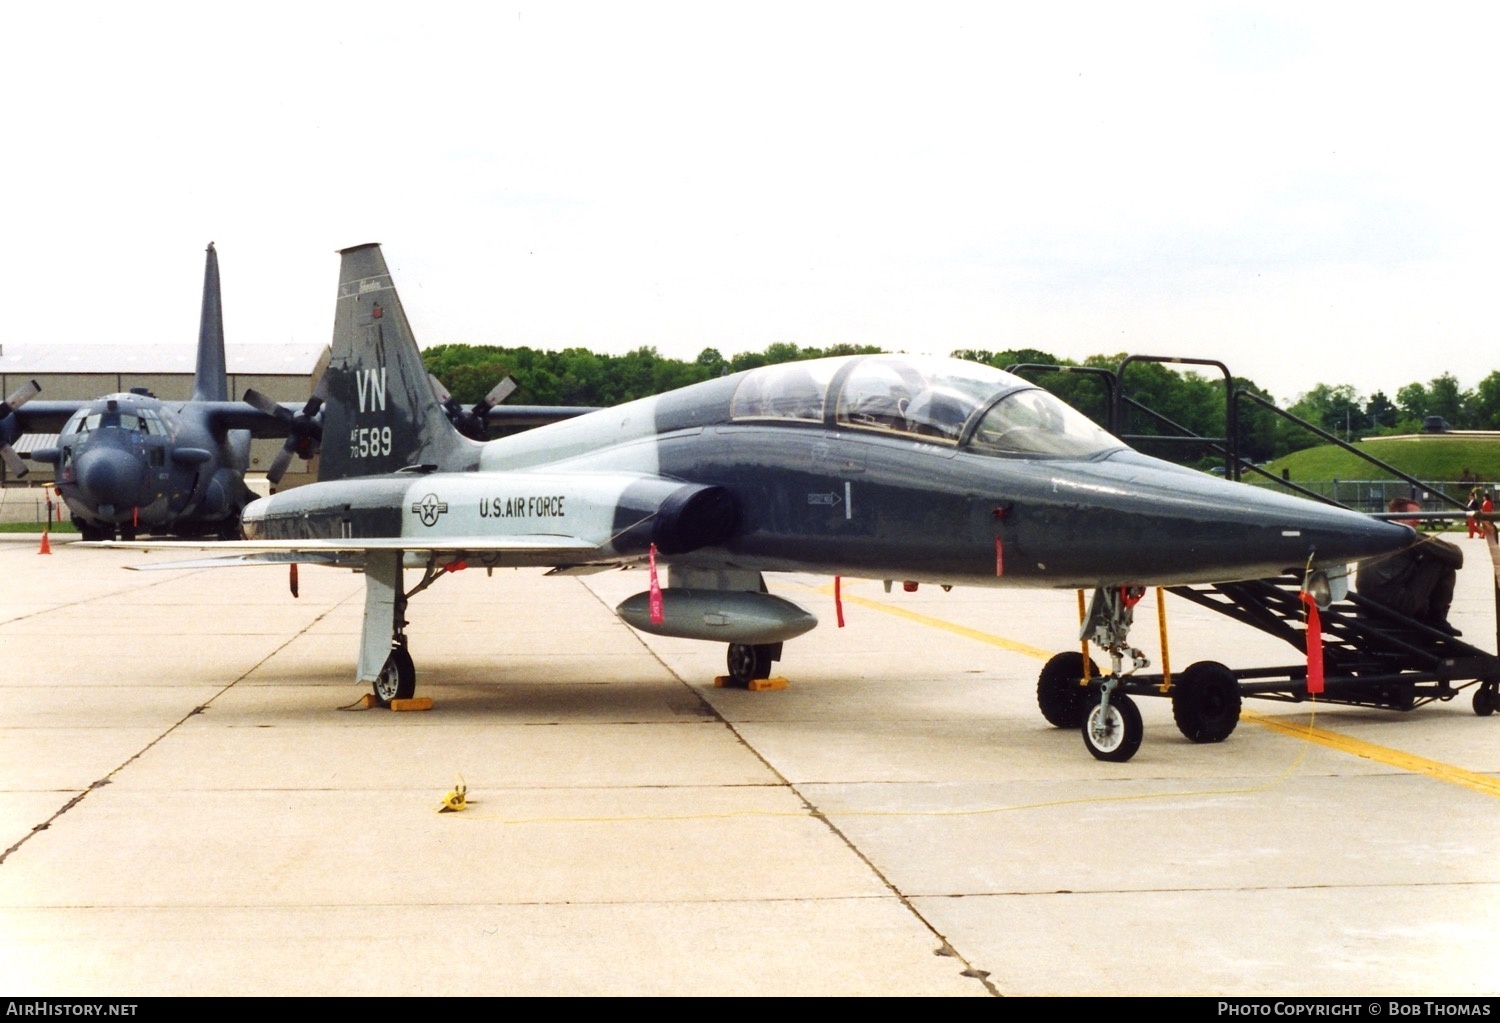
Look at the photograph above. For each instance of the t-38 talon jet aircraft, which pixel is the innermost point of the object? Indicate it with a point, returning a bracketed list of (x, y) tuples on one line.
[(132, 463), (881, 466)]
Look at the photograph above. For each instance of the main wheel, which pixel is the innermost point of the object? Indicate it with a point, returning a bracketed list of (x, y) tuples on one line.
[(398, 677), (746, 662), (1115, 734), (92, 533), (1206, 702), (1063, 701)]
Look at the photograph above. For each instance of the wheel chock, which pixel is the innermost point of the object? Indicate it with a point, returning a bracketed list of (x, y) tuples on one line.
[(415, 703), (755, 685), (457, 799)]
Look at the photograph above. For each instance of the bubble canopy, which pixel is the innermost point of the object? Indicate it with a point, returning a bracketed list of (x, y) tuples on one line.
[(945, 401)]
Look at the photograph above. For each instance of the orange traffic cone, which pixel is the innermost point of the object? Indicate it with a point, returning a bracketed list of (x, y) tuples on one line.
[(46, 544)]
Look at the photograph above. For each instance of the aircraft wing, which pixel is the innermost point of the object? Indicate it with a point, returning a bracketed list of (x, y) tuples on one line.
[(531, 550), (239, 415), (51, 416), (47, 416)]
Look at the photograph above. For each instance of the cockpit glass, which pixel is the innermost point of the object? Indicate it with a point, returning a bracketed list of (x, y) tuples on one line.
[(1034, 422), (788, 390), (77, 424), (926, 397)]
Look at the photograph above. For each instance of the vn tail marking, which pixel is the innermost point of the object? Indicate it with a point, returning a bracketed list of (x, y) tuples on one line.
[(371, 383)]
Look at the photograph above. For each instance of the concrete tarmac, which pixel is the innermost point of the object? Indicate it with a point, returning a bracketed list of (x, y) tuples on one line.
[(189, 806)]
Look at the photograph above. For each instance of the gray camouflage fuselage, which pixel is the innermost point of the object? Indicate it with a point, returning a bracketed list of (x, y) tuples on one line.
[(827, 498), (883, 466), (132, 461)]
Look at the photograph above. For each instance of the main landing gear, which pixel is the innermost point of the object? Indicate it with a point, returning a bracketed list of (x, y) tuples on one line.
[(398, 676), (384, 660), (102, 531), (747, 662)]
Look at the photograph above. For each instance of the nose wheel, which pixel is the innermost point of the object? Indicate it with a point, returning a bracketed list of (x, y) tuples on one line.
[(1112, 728)]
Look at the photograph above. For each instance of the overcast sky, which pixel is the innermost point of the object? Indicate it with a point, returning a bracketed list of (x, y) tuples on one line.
[(1304, 191)]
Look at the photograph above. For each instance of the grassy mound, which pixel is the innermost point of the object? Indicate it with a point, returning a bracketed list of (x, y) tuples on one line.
[(1427, 457)]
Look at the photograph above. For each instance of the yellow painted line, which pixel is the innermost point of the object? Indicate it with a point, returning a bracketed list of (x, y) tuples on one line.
[(938, 623), (1485, 783)]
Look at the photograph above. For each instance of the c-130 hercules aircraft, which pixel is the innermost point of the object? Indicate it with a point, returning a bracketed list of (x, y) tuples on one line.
[(880, 466)]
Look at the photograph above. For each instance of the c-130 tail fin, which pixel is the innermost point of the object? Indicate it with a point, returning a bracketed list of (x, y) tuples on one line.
[(382, 414)]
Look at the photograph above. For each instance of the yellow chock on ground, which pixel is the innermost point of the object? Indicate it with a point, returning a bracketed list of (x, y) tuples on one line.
[(766, 685), (415, 703), (755, 685), (457, 798)]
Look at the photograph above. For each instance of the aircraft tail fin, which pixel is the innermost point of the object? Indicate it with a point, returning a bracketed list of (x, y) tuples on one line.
[(211, 378), (382, 414)]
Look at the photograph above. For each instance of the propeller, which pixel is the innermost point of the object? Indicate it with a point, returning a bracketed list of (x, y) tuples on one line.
[(304, 429), (472, 423), (19, 397)]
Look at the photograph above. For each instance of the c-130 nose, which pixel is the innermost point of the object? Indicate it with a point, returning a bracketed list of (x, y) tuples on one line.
[(109, 477)]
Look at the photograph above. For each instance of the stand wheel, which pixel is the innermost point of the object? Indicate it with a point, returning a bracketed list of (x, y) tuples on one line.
[(1206, 702), (1063, 702), (1486, 701)]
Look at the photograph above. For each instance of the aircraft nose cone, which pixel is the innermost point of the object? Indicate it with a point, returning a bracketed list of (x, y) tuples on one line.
[(1354, 537), (1291, 532), (1160, 523), (109, 476)]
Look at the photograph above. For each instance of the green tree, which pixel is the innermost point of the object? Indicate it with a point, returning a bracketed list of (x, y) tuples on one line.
[(1332, 407), (1445, 399), (1380, 411), (1413, 402), (1482, 406)]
